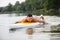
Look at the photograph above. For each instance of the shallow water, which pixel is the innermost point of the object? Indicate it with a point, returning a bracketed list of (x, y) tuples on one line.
[(20, 34)]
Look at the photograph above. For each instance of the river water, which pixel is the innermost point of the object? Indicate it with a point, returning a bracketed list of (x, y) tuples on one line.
[(20, 34)]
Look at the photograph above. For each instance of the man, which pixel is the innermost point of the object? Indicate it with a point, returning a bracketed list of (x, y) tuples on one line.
[(30, 18)]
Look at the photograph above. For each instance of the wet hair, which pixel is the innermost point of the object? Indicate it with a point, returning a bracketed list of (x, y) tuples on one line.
[(29, 15)]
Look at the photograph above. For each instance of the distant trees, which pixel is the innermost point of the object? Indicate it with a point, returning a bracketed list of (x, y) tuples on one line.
[(1, 9), (52, 4), (47, 7), (8, 8), (34, 6), (16, 7)]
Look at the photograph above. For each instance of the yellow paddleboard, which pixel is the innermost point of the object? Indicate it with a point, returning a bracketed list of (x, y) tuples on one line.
[(26, 23)]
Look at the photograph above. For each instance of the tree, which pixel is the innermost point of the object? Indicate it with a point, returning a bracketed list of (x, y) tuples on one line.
[(22, 7), (16, 6), (51, 4), (8, 8), (56, 4), (32, 5), (1, 9), (48, 4)]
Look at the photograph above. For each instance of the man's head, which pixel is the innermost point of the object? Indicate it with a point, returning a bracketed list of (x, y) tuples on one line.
[(29, 15)]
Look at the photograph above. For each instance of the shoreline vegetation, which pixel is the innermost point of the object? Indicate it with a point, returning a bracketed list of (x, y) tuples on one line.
[(37, 7)]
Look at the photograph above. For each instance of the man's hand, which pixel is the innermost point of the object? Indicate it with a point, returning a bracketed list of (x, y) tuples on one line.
[(16, 22)]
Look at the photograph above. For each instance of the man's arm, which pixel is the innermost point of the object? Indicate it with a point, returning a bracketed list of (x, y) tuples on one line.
[(22, 20), (38, 20)]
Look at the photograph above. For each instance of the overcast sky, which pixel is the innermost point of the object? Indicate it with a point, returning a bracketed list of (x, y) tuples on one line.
[(5, 2)]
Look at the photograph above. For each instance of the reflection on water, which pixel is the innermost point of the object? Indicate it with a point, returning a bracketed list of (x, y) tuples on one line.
[(55, 36), (20, 34)]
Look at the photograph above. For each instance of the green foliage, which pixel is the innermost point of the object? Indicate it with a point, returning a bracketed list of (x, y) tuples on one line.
[(8, 8), (35, 4), (52, 4), (38, 12), (46, 7), (58, 11), (16, 7), (48, 4), (51, 7), (1, 9), (22, 7), (56, 4)]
